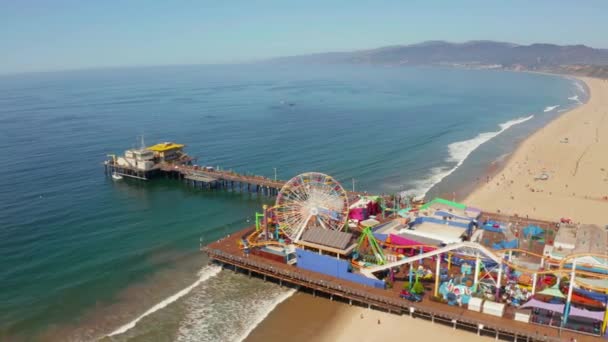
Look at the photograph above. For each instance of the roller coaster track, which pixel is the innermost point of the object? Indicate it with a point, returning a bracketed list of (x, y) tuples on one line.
[(564, 267), (497, 257), (465, 244)]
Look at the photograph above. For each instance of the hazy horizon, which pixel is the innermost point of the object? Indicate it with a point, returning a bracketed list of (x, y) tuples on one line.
[(115, 67), (68, 35)]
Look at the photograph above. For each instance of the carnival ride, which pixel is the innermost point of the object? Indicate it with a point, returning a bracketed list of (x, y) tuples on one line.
[(310, 199), (317, 200), (369, 249), (307, 199)]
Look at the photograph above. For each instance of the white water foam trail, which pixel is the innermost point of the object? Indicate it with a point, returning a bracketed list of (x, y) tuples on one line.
[(580, 87), (204, 274), (575, 98), (550, 108), (263, 312), (228, 308), (458, 152)]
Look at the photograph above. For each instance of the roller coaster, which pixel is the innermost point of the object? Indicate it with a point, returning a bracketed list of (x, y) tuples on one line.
[(319, 199), (548, 266)]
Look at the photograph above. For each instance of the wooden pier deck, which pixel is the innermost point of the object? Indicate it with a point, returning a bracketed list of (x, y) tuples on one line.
[(211, 179), (224, 179), (199, 177), (227, 253)]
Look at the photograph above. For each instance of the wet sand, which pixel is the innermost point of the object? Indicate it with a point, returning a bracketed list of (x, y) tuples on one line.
[(559, 171), (302, 317), (306, 318)]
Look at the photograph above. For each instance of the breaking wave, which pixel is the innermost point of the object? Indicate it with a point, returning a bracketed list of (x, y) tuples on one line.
[(575, 99), (263, 312), (550, 108), (229, 308), (580, 87), (458, 152), (204, 274)]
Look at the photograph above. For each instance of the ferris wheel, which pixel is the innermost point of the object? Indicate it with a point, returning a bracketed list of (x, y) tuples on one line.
[(311, 198)]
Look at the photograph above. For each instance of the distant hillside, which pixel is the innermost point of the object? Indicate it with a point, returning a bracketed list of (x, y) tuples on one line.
[(599, 71), (474, 54)]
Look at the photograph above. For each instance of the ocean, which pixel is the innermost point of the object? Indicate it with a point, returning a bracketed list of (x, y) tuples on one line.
[(83, 257)]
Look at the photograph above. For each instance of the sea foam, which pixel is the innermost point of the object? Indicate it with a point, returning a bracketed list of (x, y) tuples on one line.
[(263, 312), (204, 274), (580, 87), (575, 99), (228, 308), (550, 108), (458, 152)]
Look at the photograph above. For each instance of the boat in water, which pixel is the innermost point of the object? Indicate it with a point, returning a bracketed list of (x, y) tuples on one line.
[(116, 176)]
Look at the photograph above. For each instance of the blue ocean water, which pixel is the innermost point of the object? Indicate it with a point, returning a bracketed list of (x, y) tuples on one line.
[(82, 256)]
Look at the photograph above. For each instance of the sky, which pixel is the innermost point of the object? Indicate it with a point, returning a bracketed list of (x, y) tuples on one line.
[(48, 35)]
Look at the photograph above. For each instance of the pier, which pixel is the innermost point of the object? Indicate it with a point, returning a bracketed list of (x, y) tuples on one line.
[(168, 160), (227, 253), (204, 179), (220, 179), (367, 251)]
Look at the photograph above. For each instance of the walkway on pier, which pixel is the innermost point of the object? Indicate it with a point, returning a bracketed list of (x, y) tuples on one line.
[(227, 251), (186, 170), (209, 178)]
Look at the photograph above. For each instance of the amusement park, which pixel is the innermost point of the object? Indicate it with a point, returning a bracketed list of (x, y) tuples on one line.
[(515, 272)]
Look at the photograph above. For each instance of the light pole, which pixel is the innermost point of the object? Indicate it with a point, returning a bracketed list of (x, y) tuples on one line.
[(275, 174), (353, 185)]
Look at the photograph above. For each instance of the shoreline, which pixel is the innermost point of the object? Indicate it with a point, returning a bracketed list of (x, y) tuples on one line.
[(347, 324), (568, 149), (495, 167), (462, 190)]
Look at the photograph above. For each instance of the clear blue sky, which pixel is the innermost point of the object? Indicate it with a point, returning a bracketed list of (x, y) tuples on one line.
[(64, 34)]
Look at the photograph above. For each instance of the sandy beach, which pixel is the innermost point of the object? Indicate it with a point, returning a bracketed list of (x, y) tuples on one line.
[(559, 171), (306, 318)]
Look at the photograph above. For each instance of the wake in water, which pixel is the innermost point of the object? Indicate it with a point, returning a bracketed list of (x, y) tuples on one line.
[(550, 108), (458, 153), (204, 274)]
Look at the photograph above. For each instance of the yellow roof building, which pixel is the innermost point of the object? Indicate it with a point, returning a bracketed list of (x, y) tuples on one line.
[(166, 146)]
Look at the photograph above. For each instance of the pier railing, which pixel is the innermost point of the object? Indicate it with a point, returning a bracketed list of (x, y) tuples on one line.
[(224, 175), (228, 179), (366, 297)]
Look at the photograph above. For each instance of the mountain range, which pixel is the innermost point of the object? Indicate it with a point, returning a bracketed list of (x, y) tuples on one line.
[(572, 59)]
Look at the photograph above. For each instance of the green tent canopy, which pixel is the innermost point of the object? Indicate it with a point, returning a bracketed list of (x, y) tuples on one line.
[(552, 291), (444, 202)]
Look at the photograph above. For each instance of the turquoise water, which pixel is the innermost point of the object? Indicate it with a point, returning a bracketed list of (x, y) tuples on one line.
[(80, 255)]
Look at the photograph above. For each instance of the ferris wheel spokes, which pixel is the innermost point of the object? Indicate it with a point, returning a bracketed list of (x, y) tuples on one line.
[(307, 195)]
